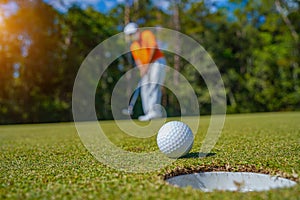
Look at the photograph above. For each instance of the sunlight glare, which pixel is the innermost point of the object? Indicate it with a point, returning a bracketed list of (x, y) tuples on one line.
[(1, 18)]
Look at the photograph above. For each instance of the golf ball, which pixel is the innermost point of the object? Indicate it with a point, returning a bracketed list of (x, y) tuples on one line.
[(175, 139)]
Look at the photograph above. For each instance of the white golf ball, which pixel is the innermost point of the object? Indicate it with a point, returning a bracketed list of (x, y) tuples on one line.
[(175, 139)]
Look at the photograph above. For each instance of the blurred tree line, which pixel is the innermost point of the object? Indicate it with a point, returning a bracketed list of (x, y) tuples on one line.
[(255, 45)]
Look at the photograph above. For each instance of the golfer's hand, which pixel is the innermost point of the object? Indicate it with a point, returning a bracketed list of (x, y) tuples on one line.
[(143, 71)]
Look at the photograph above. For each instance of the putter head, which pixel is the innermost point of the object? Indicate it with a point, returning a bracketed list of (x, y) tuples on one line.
[(127, 111)]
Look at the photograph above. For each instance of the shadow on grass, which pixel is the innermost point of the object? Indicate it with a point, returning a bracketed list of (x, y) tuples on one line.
[(197, 155)]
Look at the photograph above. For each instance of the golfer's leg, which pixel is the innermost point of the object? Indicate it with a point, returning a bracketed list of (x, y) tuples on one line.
[(157, 75)]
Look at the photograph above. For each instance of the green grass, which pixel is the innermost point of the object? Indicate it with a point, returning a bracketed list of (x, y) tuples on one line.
[(49, 161)]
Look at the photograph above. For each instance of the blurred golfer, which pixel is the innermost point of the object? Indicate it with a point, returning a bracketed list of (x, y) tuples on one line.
[(151, 63)]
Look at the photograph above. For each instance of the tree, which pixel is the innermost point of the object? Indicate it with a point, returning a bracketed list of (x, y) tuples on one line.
[(33, 34), (83, 30)]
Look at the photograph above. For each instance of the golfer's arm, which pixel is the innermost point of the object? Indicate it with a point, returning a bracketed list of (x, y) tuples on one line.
[(152, 51), (144, 68)]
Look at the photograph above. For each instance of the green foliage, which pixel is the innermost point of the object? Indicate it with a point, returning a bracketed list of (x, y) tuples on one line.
[(49, 48), (252, 42), (34, 38), (83, 30)]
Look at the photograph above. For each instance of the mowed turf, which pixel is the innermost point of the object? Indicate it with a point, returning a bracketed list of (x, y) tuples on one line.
[(49, 161)]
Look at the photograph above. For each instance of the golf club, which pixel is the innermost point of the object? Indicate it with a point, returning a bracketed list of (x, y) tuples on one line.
[(136, 93)]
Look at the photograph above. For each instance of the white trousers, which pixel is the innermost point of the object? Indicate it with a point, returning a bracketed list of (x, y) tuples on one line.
[(151, 86)]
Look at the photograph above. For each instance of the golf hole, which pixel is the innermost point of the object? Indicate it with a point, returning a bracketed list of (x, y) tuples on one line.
[(230, 181)]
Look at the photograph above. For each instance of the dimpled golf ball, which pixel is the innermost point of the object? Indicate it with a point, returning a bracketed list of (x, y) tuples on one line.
[(175, 139)]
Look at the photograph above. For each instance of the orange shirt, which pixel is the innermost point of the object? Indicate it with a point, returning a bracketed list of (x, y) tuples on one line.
[(141, 49)]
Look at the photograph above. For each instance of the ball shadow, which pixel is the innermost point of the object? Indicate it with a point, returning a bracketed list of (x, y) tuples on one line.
[(197, 155)]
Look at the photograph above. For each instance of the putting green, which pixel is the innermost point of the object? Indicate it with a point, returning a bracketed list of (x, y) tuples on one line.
[(45, 161)]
